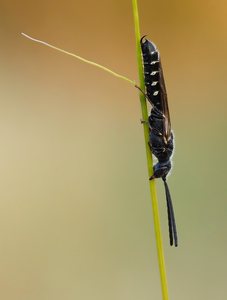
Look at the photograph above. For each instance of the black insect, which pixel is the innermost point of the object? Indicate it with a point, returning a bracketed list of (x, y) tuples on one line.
[(160, 134)]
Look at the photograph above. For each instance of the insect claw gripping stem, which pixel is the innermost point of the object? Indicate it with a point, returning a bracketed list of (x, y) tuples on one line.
[(143, 121)]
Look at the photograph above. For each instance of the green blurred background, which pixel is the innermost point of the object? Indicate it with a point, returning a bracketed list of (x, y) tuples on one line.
[(75, 213)]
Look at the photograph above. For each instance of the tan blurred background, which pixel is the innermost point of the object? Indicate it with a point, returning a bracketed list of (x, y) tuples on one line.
[(75, 214)]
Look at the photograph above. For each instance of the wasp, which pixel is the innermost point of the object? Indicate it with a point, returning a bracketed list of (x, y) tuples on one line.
[(161, 139)]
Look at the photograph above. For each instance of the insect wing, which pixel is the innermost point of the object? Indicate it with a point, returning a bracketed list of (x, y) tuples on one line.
[(155, 84), (164, 104)]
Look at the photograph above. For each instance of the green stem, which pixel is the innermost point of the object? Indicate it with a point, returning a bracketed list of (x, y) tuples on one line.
[(153, 192), (81, 58)]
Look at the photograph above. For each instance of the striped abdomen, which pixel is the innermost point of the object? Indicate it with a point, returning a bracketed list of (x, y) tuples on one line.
[(151, 60)]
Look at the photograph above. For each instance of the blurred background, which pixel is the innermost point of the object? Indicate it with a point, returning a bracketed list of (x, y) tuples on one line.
[(75, 214)]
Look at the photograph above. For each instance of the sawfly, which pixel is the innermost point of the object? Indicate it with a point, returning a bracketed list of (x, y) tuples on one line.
[(161, 139)]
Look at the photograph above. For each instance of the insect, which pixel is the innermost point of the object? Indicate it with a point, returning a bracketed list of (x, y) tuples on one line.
[(160, 134)]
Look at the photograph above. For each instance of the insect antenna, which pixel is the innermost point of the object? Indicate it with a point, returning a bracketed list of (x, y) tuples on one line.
[(170, 223), (171, 217)]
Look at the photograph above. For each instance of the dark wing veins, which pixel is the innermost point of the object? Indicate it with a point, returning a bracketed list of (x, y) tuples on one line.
[(155, 84), (164, 105)]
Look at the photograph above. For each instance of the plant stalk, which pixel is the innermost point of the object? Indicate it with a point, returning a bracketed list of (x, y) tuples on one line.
[(80, 58), (153, 193)]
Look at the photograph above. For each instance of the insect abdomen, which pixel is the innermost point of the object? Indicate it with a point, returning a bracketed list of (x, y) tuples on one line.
[(151, 71)]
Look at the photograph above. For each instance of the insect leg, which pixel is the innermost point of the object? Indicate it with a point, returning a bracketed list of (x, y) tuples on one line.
[(143, 121)]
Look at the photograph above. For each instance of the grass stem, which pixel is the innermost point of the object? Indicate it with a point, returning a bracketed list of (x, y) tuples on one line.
[(81, 58), (153, 192)]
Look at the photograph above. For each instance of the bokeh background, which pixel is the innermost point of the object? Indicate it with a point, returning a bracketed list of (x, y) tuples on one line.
[(75, 214)]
